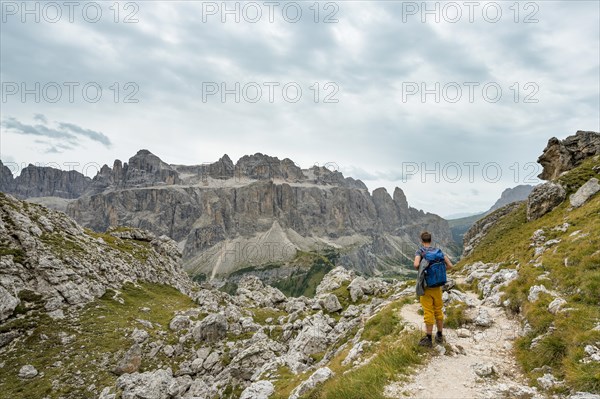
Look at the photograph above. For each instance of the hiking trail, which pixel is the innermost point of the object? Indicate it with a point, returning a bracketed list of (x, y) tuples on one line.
[(480, 363)]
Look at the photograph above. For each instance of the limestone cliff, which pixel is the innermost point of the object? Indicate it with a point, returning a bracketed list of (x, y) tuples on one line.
[(262, 210)]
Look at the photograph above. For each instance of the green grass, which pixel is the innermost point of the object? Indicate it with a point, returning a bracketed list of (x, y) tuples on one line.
[(393, 359), (100, 331), (17, 253), (395, 352), (313, 267), (577, 281), (455, 316)]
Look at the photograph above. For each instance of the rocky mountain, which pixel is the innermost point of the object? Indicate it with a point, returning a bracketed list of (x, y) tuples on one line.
[(460, 226), (510, 195), (37, 181), (86, 314), (46, 253), (560, 156), (259, 211)]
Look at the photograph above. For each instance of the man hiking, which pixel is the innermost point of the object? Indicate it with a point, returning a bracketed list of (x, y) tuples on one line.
[(432, 265)]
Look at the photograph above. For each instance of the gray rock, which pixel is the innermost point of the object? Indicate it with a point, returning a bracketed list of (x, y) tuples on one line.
[(484, 369), (562, 155), (548, 381), (535, 291), (139, 336), (318, 377), (555, 306), (334, 280), (212, 328), (148, 385), (179, 322), (331, 303), (543, 199), (313, 338), (258, 390), (79, 271), (27, 372), (8, 303), (584, 193), (483, 319), (463, 333), (584, 395)]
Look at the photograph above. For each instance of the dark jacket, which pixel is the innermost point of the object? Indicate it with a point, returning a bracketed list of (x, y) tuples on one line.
[(421, 285)]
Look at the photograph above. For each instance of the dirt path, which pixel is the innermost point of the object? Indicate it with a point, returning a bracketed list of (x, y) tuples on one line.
[(476, 348)]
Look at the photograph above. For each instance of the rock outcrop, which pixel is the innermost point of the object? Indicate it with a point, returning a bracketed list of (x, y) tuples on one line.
[(562, 155), (47, 253), (543, 199)]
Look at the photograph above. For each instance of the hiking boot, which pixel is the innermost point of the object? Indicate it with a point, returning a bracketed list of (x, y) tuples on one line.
[(426, 341), (439, 338)]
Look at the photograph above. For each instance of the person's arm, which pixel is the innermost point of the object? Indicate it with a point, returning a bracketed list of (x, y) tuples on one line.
[(417, 261), (448, 262)]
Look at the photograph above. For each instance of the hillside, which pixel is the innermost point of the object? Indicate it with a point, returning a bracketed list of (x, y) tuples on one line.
[(556, 260), (109, 315), (459, 226)]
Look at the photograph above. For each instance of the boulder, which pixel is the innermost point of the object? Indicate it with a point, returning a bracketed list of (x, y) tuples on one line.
[(543, 199), (179, 322), (483, 319), (584, 193), (555, 306), (211, 329), (8, 303), (535, 291), (149, 385), (139, 336), (27, 372), (331, 303), (484, 369), (258, 390), (318, 377)]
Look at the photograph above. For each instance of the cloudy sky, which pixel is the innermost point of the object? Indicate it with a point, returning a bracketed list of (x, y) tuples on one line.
[(451, 101)]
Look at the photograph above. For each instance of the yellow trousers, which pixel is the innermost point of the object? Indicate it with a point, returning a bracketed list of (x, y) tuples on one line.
[(432, 305)]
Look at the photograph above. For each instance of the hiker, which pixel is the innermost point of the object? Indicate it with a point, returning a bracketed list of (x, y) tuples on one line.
[(432, 265)]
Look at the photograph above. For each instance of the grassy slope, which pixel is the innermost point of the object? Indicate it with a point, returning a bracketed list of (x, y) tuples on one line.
[(577, 281), (459, 227), (394, 352), (100, 332)]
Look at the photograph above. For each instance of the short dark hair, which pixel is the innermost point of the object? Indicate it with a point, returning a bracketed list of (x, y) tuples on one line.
[(426, 237)]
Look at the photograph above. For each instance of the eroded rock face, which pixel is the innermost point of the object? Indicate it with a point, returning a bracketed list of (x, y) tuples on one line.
[(51, 255), (562, 155), (543, 199), (36, 181)]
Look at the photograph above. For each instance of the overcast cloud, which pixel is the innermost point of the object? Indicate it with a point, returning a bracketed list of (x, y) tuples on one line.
[(107, 89)]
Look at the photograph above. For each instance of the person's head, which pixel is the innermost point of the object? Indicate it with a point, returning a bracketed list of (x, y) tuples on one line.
[(426, 237)]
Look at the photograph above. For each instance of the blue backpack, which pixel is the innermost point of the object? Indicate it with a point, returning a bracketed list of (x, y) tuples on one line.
[(435, 272)]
